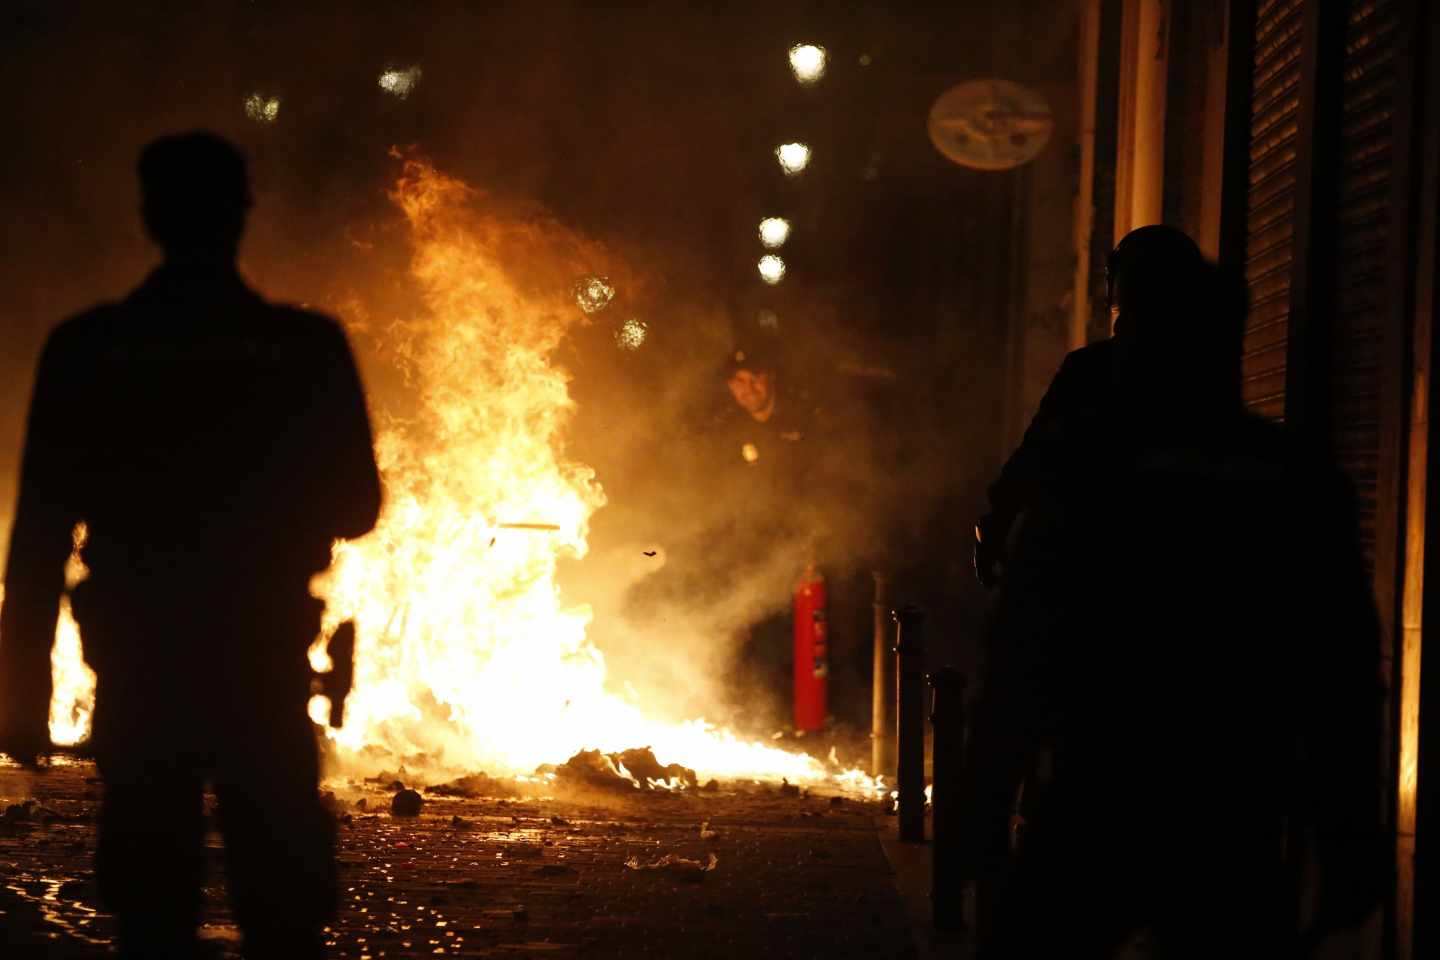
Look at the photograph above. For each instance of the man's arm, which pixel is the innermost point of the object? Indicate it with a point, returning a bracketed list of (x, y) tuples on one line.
[(358, 479), (1083, 375), (35, 569)]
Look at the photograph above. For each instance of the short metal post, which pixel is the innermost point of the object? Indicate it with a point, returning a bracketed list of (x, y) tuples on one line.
[(882, 686), (910, 722), (947, 752)]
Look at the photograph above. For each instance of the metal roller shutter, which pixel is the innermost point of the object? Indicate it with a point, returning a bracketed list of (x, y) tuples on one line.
[(1368, 93), (1270, 204)]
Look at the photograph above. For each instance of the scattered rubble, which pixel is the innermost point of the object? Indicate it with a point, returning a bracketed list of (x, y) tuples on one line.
[(477, 786), (681, 868), (626, 770), (706, 833)]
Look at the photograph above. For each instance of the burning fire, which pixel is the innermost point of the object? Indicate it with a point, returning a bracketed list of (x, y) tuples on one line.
[(467, 658), (466, 652)]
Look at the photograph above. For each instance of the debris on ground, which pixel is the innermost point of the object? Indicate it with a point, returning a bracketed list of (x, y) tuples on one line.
[(788, 789), (681, 868), (626, 770), (706, 833), (645, 768), (406, 803), (389, 779), (523, 851), (476, 786)]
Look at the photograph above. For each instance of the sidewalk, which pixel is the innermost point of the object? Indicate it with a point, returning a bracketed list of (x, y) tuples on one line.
[(911, 863)]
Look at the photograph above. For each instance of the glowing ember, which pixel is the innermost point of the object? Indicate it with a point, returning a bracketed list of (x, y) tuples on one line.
[(262, 109), (772, 268), (774, 231), (594, 294), (793, 157), (808, 62), (749, 453), (400, 83), (631, 334)]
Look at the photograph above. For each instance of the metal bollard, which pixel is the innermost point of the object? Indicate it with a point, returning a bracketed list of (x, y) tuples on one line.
[(910, 722), (947, 758), (882, 687)]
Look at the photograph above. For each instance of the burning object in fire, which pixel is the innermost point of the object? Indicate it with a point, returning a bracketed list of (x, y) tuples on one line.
[(627, 770), (399, 83), (262, 108), (794, 157), (594, 294)]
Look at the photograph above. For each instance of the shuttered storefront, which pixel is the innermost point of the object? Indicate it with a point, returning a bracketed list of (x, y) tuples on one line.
[(1367, 104), (1270, 202)]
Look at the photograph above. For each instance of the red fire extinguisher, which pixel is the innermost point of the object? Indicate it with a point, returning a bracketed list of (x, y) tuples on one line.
[(812, 650)]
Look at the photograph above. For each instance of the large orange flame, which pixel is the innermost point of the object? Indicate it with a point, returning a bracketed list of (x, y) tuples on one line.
[(466, 652)]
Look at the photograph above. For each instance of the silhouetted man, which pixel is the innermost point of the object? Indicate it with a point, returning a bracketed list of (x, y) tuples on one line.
[(215, 445), (1082, 393), (1183, 669)]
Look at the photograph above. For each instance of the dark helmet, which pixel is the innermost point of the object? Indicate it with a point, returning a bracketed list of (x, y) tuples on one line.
[(194, 190)]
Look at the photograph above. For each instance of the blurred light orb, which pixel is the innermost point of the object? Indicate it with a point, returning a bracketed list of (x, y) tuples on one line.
[(594, 294), (400, 83), (774, 231), (808, 62), (794, 157), (772, 268), (631, 335), (749, 453), (262, 109)]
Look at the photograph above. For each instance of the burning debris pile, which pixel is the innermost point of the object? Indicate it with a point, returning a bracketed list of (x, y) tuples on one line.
[(466, 653), (627, 770)]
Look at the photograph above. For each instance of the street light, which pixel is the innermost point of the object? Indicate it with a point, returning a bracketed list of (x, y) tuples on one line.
[(808, 62), (772, 269), (774, 231), (794, 157)]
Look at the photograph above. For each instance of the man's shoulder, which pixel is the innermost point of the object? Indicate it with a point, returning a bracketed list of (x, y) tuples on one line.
[(1093, 357), (303, 321), (87, 328)]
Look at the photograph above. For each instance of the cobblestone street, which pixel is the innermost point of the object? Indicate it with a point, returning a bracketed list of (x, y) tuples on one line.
[(793, 876)]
